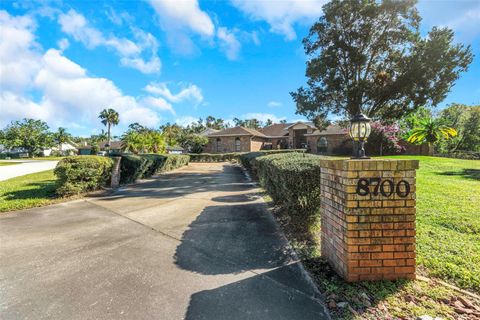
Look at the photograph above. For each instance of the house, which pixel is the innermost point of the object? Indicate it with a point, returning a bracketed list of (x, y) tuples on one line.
[(175, 150), (237, 139), (67, 149), (298, 135), (115, 147)]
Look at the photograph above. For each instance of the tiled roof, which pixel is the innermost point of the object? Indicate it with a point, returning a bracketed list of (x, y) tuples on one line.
[(113, 144), (330, 130), (237, 131), (208, 131), (276, 130)]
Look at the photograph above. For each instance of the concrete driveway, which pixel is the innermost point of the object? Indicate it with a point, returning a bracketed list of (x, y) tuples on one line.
[(197, 243), (25, 167)]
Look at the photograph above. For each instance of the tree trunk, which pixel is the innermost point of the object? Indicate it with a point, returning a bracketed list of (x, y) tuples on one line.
[(108, 139)]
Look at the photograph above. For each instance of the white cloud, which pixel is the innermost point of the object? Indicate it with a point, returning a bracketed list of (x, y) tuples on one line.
[(468, 24), (262, 117), (159, 104), (180, 20), (19, 52), (131, 53), (185, 120), (281, 15), (229, 43), (185, 14), (274, 104), (188, 92), (63, 44), (68, 94)]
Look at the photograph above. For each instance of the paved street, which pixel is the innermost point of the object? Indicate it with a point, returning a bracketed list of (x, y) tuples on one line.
[(197, 243), (26, 167)]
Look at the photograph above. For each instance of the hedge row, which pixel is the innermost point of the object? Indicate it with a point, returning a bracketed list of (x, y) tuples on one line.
[(80, 174), (248, 160), (233, 156), (215, 157), (293, 182), (133, 167)]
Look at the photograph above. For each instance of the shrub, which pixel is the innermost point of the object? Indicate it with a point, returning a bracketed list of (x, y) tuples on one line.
[(248, 160), (293, 182), (78, 174), (133, 167), (215, 157)]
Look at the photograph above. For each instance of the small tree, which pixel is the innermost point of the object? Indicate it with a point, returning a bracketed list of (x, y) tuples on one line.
[(384, 139), (368, 56), (109, 118), (61, 137), (430, 131), (466, 119), (30, 134)]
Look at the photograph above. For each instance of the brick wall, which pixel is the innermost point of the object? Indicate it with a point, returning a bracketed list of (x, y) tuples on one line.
[(333, 141), (227, 144), (368, 237)]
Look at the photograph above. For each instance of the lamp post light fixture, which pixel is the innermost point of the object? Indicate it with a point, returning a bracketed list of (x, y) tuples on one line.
[(359, 131)]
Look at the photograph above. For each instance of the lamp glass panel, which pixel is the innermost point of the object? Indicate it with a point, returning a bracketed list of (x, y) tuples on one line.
[(363, 130), (369, 129)]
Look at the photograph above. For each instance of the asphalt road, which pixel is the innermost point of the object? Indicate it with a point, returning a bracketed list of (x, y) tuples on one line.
[(197, 243), (25, 167)]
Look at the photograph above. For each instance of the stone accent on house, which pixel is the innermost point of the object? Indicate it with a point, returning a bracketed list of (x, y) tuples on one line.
[(369, 237)]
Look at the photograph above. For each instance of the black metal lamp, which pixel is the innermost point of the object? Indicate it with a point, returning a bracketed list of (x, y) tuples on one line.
[(359, 131)]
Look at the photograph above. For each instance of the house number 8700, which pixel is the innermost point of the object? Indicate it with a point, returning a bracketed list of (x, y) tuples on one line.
[(402, 189)]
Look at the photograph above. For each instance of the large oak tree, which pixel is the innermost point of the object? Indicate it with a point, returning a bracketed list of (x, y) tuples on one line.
[(369, 56)]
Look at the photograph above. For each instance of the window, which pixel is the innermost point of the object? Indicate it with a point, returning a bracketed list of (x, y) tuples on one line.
[(238, 146), (322, 145), (218, 145)]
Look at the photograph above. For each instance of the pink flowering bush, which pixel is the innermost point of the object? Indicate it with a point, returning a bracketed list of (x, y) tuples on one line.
[(384, 139)]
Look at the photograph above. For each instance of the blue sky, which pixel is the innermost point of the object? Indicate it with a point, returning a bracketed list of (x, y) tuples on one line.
[(174, 61)]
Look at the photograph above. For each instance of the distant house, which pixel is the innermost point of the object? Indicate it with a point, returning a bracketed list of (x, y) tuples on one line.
[(67, 149), (237, 139), (115, 147), (175, 150), (208, 131), (298, 135)]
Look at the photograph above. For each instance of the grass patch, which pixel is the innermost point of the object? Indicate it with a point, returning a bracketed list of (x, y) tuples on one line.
[(5, 163), (448, 221), (31, 190), (448, 248)]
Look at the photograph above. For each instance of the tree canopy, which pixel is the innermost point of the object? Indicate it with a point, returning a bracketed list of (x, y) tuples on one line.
[(30, 134), (368, 56)]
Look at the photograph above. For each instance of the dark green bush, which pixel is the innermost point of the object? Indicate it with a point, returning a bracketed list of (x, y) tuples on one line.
[(133, 167), (78, 174), (293, 182), (248, 160), (215, 157)]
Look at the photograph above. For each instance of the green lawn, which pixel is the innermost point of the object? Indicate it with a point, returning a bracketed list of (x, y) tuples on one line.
[(32, 190), (5, 163), (448, 219)]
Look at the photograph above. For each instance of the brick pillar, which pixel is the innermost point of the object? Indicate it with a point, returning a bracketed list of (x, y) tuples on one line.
[(115, 180), (368, 218)]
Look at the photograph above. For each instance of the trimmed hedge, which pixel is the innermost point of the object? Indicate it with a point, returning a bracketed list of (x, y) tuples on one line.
[(134, 167), (234, 156), (215, 157), (78, 174), (248, 160), (293, 182)]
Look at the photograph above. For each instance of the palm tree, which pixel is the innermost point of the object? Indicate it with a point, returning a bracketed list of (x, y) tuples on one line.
[(430, 131), (109, 118), (61, 137)]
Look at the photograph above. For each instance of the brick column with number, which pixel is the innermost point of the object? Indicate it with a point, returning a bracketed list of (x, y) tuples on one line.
[(368, 218)]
